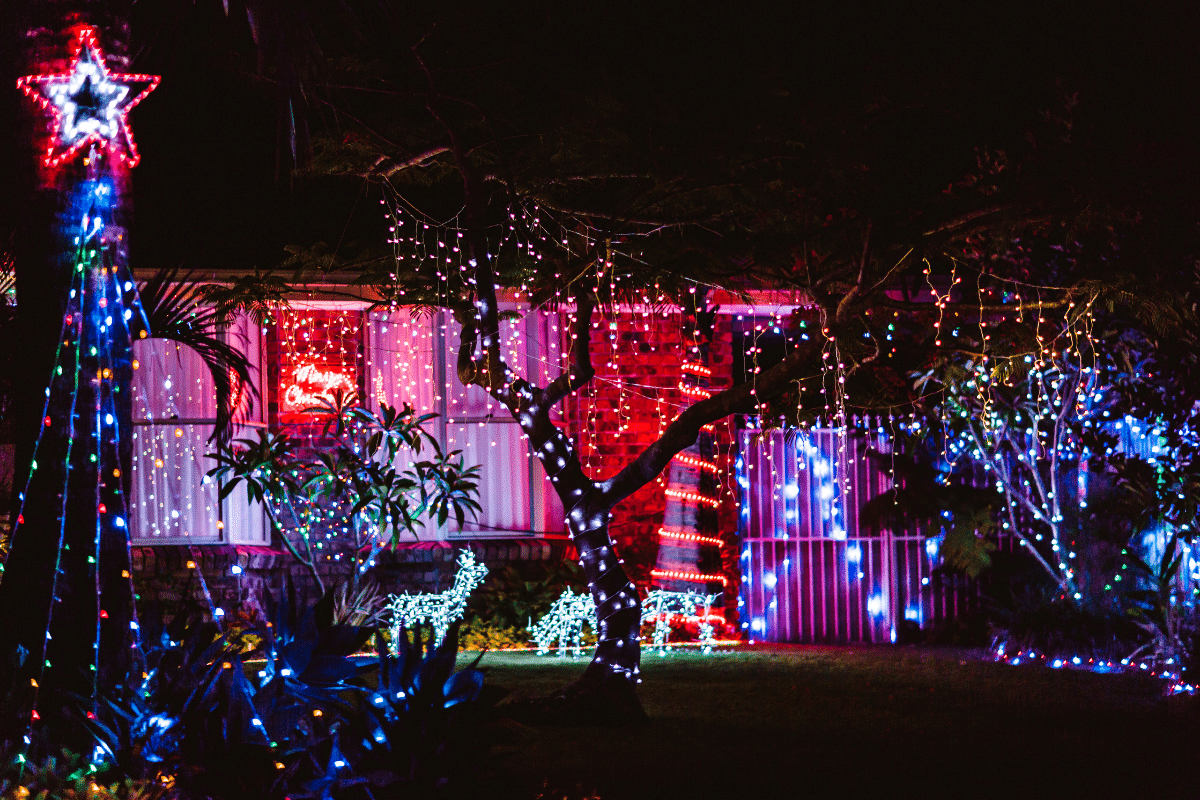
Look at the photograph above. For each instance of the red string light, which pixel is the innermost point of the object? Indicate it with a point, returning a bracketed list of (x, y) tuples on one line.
[(692, 391), (667, 533), (692, 497), (698, 463), (49, 91), (694, 577)]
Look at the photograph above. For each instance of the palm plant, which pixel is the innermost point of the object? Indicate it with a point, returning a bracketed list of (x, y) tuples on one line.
[(362, 475), (177, 310), (268, 470)]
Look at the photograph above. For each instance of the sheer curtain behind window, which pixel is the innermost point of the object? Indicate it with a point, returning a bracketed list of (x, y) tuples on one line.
[(174, 407), (415, 360)]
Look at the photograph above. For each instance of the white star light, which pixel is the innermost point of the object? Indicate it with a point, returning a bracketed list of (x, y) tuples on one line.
[(89, 103), (99, 99)]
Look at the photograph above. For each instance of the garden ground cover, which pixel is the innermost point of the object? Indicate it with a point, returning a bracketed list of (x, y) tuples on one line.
[(857, 721)]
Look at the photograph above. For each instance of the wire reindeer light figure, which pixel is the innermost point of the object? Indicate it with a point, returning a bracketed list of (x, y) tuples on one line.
[(440, 609), (563, 624)]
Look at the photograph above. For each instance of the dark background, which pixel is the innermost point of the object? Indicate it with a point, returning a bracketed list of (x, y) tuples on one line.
[(214, 189)]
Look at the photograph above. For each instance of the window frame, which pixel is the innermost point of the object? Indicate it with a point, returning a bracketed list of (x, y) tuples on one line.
[(223, 533)]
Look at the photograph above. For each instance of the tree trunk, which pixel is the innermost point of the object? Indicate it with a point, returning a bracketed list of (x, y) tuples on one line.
[(618, 607), (67, 596)]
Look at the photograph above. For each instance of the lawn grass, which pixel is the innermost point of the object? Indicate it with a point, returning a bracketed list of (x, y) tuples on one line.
[(812, 721)]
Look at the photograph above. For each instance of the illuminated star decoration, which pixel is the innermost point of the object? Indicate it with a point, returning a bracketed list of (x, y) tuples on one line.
[(89, 103)]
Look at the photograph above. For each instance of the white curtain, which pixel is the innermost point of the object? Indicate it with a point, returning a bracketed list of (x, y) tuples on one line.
[(173, 401), (416, 360), (504, 490), (174, 405), (246, 523), (401, 363)]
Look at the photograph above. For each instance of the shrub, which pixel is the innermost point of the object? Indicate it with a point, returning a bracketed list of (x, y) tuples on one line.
[(311, 720), (69, 776), (1041, 622), (479, 635)]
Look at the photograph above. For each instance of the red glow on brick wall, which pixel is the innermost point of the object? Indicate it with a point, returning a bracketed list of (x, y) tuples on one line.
[(637, 391)]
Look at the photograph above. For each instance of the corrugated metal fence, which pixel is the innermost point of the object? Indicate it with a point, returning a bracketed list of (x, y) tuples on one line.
[(810, 574)]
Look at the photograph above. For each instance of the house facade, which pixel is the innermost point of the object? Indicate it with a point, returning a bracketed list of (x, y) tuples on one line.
[(678, 532)]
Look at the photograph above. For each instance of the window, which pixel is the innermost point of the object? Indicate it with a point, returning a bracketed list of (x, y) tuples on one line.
[(414, 360), (174, 408)]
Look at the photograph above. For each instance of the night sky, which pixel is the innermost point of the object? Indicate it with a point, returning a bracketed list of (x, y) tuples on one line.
[(213, 189)]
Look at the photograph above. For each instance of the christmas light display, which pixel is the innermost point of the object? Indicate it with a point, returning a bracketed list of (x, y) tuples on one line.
[(437, 609), (70, 561), (89, 104), (563, 624), (662, 607)]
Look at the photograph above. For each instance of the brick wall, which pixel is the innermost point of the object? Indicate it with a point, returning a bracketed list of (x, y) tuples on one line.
[(170, 574), (634, 397)]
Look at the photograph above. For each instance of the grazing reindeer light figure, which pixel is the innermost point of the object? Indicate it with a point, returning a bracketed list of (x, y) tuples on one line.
[(661, 605), (564, 622), (440, 609)]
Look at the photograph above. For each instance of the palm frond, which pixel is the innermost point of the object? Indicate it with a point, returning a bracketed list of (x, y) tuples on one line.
[(259, 296), (176, 311)]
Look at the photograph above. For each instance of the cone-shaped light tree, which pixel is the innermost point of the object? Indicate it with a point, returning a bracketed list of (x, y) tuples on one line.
[(66, 595)]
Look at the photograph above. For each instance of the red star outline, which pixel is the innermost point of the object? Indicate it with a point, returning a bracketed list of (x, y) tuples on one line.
[(37, 88)]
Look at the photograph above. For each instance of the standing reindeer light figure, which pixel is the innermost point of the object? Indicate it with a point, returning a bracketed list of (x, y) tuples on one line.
[(661, 605), (564, 623), (440, 609)]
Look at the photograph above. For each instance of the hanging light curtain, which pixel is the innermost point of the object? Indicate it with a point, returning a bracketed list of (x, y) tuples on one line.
[(414, 360)]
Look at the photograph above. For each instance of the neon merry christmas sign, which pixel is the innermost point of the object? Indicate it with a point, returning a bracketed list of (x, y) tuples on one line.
[(312, 385), (89, 104)]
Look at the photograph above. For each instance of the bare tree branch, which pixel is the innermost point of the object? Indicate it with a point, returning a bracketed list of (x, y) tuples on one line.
[(958, 222), (385, 167), (860, 283)]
